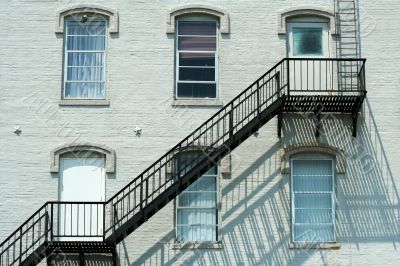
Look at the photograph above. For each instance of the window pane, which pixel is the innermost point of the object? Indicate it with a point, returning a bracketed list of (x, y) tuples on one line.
[(85, 59), (88, 28), (312, 167), (86, 43), (197, 27), (312, 201), (307, 41), (203, 199), (90, 90), (196, 233), (197, 90), (196, 59), (312, 183), (85, 74), (204, 183), (197, 74), (197, 43), (311, 216), (313, 233)]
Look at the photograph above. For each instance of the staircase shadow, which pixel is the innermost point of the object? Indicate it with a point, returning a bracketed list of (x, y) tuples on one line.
[(256, 213)]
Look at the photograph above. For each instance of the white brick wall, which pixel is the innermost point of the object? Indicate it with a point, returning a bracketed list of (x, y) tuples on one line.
[(255, 201)]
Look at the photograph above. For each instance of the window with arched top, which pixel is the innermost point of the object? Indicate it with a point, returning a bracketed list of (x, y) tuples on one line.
[(85, 30), (308, 31), (313, 198), (196, 29), (197, 206), (313, 171)]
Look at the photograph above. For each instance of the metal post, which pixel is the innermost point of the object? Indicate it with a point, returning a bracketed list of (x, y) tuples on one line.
[(46, 227), (104, 221), (231, 123), (51, 223), (288, 76), (278, 83), (258, 99), (141, 192), (20, 246)]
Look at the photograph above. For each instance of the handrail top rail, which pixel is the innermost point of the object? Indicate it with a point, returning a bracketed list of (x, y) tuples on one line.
[(324, 59)]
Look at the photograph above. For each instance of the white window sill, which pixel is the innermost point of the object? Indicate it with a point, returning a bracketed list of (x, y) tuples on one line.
[(198, 245), (197, 102), (84, 102), (314, 245)]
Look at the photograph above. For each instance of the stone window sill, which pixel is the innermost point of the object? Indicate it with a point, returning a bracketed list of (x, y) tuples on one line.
[(197, 245), (314, 245), (83, 102), (197, 102)]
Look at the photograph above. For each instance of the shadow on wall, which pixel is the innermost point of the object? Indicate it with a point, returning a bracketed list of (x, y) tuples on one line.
[(256, 204)]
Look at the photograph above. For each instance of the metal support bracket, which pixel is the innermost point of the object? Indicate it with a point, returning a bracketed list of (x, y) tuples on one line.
[(317, 121), (81, 258), (354, 117), (280, 118), (114, 256)]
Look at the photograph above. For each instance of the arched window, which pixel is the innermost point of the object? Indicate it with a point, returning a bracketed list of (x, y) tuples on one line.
[(85, 31), (312, 180), (197, 206), (196, 29), (308, 31)]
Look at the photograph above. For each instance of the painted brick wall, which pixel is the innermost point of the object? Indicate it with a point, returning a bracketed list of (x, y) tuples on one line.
[(255, 201)]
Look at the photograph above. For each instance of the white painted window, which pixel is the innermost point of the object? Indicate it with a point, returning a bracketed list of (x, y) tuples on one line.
[(313, 200), (197, 208), (85, 58), (196, 59)]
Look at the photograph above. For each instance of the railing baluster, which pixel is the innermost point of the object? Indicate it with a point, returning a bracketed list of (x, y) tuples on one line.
[(20, 246), (231, 123), (141, 192)]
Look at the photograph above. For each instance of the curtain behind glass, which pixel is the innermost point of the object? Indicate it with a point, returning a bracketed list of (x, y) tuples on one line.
[(312, 198), (197, 209), (85, 60)]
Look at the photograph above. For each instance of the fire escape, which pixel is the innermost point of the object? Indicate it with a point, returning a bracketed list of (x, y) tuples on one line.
[(293, 85)]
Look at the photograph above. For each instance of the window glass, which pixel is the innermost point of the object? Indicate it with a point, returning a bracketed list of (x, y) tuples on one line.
[(196, 59), (196, 208), (313, 201), (84, 73), (307, 41)]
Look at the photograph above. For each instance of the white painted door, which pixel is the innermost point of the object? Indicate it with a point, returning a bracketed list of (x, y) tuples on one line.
[(82, 179), (306, 40)]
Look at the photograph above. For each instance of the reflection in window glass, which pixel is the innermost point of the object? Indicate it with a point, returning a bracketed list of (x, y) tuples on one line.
[(196, 61), (307, 41)]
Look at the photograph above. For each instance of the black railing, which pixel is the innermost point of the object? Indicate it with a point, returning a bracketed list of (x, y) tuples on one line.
[(54, 221), (97, 221), (326, 76), (211, 135)]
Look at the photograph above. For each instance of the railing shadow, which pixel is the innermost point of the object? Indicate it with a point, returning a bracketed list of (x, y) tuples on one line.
[(256, 214)]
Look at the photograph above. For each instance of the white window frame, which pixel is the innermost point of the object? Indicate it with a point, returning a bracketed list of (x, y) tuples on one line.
[(65, 65), (333, 197), (177, 51), (217, 208), (309, 23)]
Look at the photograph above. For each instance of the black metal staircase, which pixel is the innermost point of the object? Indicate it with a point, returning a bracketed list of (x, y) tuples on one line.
[(292, 85)]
